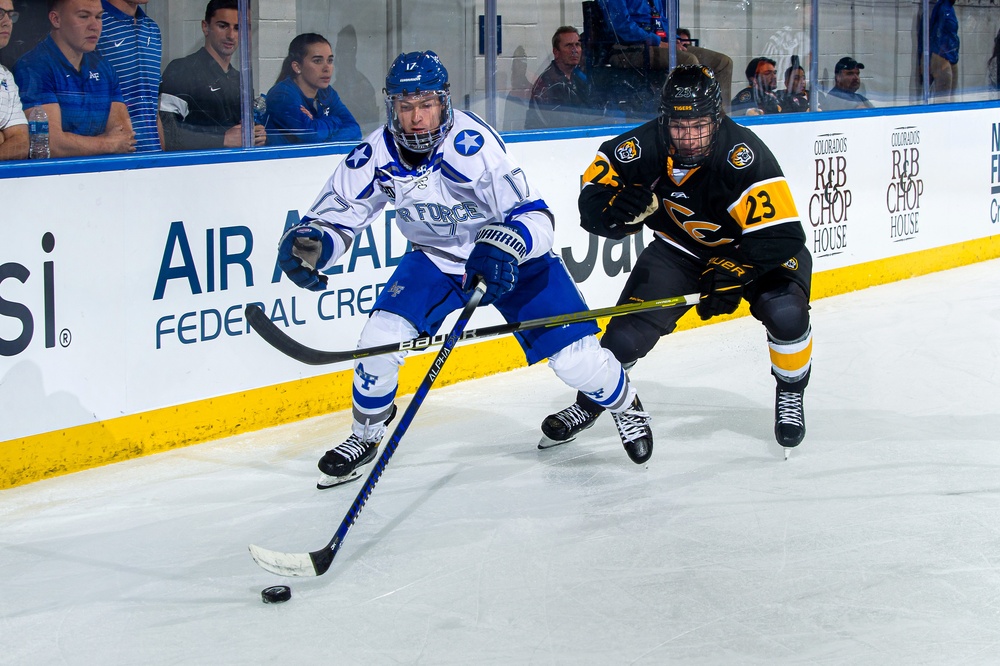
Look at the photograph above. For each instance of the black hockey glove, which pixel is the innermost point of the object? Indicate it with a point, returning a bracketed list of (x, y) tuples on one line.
[(629, 207), (722, 284)]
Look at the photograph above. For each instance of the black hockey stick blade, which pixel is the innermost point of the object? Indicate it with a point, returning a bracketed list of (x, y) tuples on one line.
[(317, 562), (281, 341)]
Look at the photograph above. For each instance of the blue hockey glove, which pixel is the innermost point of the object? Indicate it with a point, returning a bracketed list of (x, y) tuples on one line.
[(498, 250), (722, 284), (301, 249)]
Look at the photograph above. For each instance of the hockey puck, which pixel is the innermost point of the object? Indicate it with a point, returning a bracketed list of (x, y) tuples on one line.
[(276, 594)]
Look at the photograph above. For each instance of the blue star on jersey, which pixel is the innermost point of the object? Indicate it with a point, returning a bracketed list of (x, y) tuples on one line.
[(359, 156), (468, 142)]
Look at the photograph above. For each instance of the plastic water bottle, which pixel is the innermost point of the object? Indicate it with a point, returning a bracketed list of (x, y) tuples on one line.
[(38, 129), (260, 110)]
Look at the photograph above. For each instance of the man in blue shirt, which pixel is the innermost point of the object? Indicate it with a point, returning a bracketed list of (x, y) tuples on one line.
[(78, 89), (640, 27), (844, 95), (944, 48), (130, 41)]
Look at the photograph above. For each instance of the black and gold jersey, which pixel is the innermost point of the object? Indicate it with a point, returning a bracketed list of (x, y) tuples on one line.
[(737, 204)]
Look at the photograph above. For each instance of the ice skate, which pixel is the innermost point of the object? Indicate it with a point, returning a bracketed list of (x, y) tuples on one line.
[(789, 418), (636, 434), (563, 426), (346, 462)]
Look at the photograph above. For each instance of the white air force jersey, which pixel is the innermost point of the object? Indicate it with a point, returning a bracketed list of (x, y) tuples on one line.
[(469, 181)]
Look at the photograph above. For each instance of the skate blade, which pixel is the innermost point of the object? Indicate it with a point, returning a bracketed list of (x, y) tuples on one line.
[(326, 481), (777, 451), (546, 443)]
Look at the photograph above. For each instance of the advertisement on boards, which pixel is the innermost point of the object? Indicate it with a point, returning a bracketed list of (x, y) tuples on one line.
[(124, 292)]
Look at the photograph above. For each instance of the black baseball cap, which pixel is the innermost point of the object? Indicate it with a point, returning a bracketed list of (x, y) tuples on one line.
[(847, 62)]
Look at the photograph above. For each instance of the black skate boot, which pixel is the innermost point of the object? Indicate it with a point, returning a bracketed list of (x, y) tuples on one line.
[(564, 426), (637, 436), (344, 463), (789, 418)]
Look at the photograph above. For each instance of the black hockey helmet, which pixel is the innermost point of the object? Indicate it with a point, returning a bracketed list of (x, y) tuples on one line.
[(691, 91)]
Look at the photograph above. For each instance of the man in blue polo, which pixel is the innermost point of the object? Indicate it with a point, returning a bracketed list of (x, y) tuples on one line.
[(77, 88), (131, 42)]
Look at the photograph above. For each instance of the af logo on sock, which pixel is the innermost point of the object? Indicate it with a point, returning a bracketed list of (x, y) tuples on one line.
[(367, 380)]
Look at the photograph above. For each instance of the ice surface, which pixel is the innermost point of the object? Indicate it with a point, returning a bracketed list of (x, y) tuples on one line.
[(878, 542)]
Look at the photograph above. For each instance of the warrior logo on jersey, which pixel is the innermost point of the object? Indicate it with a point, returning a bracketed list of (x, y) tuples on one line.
[(468, 142), (741, 156), (396, 289), (792, 264), (628, 150), (359, 156)]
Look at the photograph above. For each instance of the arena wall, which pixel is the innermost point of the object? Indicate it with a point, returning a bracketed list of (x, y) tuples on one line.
[(123, 282)]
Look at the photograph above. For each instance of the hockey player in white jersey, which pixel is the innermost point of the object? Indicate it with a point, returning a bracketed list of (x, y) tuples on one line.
[(468, 210)]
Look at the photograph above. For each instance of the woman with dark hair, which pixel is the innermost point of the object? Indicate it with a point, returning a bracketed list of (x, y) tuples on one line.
[(302, 107)]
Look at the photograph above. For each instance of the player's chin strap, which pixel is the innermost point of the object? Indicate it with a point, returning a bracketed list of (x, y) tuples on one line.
[(281, 341), (317, 562)]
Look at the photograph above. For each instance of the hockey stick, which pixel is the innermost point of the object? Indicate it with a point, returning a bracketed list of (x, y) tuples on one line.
[(317, 562), (278, 339)]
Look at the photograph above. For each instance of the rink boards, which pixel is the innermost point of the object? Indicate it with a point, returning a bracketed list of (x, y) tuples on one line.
[(122, 291)]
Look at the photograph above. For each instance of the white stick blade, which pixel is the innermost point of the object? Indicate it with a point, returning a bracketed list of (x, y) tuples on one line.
[(283, 564)]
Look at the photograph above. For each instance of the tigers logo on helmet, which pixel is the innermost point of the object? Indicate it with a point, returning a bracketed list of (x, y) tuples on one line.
[(741, 156), (628, 150)]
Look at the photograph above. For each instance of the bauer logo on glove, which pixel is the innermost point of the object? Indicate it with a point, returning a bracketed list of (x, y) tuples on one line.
[(722, 284)]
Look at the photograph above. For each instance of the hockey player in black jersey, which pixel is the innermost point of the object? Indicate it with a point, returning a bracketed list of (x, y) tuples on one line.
[(724, 224)]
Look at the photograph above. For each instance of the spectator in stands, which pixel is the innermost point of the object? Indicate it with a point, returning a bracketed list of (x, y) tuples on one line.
[(684, 40), (721, 64), (562, 94), (200, 93), (943, 49), (77, 88), (993, 65), (794, 98), (515, 106), (639, 28), (131, 42), (355, 90), (758, 97), (847, 80), (302, 107), (13, 124)]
